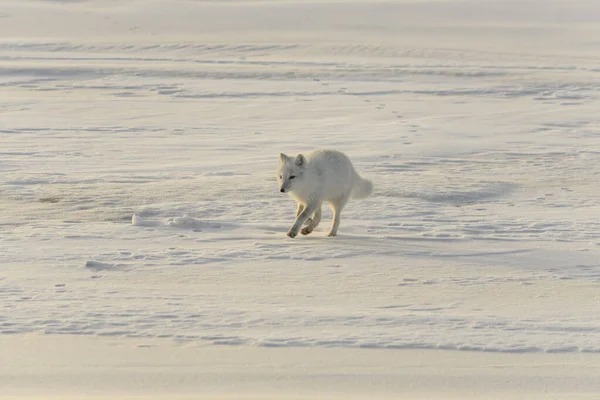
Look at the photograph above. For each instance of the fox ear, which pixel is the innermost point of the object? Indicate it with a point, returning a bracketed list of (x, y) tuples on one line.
[(300, 160), (283, 158)]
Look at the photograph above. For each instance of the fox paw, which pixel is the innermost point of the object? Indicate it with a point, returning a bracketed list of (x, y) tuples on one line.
[(292, 234), (332, 234), (306, 230)]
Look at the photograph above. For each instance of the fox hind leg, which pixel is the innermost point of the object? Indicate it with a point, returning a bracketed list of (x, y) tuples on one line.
[(336, 206)]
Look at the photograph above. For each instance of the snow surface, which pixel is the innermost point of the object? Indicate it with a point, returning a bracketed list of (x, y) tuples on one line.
[(71, 367), (139, 140)]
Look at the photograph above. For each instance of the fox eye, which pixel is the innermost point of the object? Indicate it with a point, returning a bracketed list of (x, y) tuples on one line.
[(280, 176), (292, 177)]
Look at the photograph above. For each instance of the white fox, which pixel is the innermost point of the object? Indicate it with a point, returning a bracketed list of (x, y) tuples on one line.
[(323, 175)]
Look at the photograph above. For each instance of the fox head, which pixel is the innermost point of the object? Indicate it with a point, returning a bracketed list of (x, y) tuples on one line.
[(290, 172)]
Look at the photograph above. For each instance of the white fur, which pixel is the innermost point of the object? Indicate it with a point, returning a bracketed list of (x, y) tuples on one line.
[(321, 175)]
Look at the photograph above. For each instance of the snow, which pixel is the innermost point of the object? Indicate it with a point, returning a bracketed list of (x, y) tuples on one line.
[(54, 366), (138, 147)]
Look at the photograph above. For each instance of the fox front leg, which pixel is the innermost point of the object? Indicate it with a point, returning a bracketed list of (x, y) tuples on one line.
[(313, 222), (301, 219), (299, 210)]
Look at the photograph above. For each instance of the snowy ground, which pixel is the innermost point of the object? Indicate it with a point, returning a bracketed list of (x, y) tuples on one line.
[(87, 367), (477, 121)]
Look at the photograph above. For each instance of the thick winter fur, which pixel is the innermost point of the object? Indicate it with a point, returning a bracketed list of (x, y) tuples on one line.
[(321, 175)]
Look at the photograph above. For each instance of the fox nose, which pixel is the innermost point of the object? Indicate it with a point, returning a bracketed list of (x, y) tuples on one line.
[(282, 190)]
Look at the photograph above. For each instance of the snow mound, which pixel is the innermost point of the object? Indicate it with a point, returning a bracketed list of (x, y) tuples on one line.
[(139, 221), (184, 222), (98, 266), (187, 222)]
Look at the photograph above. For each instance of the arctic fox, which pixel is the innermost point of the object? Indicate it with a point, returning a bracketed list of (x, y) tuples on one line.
[(323, 175)]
